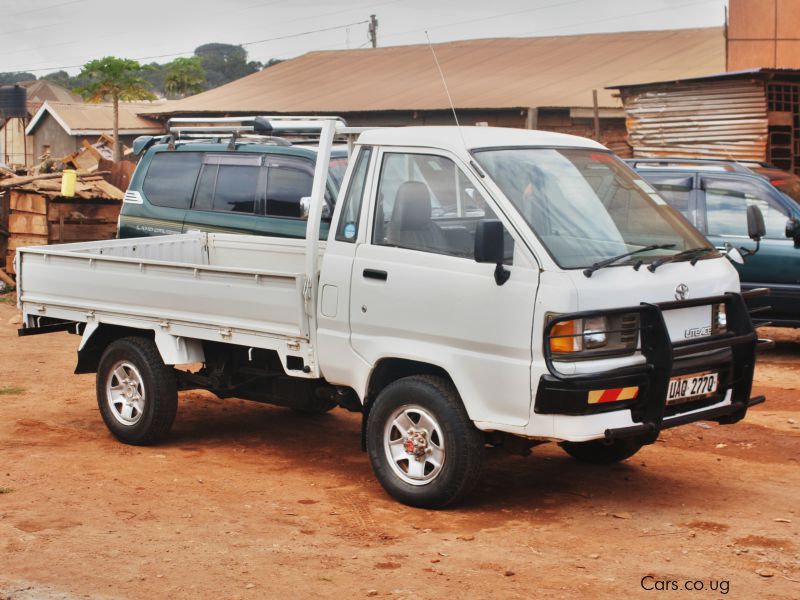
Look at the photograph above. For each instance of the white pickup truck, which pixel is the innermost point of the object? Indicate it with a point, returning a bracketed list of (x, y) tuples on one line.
[(479, 286)]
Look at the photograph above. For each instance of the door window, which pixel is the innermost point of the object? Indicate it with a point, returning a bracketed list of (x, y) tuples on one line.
[(427, 203), (675, 189), (288, 181), (347, 230), (170, 178), (726, 207)]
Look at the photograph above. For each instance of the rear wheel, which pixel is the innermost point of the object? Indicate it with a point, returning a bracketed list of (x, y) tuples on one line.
[(423, 447), (136, 392), (600, 452)]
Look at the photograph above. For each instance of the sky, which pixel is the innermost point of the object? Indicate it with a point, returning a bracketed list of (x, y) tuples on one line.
[(41, 36)]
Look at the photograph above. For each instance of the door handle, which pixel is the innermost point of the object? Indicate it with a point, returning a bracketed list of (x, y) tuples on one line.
[(375, 274)]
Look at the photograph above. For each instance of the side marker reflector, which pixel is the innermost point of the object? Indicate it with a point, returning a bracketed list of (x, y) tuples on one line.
[(613, 395)]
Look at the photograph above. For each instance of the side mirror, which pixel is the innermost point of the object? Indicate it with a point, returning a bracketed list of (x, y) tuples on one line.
[(755, 223), (793, 230), (305, 206), (490, 248)]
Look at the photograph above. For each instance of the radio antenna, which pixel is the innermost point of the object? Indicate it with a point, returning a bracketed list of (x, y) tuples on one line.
[(446, 89)]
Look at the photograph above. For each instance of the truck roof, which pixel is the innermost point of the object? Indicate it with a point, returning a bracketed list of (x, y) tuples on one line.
[(449, 138)]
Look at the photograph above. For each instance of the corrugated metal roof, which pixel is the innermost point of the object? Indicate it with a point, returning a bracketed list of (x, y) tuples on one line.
[(488, 73), (93, 119), (714, 119), (760, 73)]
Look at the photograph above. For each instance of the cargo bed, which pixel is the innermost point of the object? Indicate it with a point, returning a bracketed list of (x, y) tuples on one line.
[(218, 287)]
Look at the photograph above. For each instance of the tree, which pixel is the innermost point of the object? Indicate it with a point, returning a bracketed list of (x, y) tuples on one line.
[(154, 74), (61, 78), (16, 77), (184, 76), (115, 79), (224, 63)]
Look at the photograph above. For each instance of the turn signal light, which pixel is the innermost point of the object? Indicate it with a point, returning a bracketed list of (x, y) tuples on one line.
[(566, 337)]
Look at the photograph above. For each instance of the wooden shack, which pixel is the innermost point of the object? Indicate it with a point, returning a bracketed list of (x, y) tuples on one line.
[(38, 214)]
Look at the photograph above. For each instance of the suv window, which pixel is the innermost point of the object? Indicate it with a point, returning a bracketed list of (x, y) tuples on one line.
[(726, 207), (171, 177), (236, 189), (675, 189), (427, 203), (289, 179)]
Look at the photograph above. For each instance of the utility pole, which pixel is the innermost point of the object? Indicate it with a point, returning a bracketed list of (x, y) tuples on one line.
[(373, 31)]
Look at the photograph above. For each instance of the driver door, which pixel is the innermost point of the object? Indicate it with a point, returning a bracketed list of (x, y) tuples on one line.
[(417, 292)]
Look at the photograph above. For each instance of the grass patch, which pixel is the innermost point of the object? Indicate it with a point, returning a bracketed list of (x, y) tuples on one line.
[(6, 490), (10, 390)]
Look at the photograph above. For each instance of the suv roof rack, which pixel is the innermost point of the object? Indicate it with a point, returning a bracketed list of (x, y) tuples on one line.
[(263, 128), (677, 161), (264, 125)]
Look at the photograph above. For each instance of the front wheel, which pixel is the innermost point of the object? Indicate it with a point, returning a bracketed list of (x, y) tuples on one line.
[(600, 452), (136, 392), (424, 449)]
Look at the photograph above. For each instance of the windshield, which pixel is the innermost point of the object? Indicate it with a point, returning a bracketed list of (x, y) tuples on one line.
[(586, 206)]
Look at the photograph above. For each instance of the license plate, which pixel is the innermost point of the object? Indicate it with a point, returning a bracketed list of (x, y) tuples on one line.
[(700, 385)]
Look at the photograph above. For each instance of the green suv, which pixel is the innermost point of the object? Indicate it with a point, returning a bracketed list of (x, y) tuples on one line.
[(247, 185), (714, 196)]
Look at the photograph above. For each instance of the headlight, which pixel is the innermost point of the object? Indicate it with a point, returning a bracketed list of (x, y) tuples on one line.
[(594, 336), (594, 333)]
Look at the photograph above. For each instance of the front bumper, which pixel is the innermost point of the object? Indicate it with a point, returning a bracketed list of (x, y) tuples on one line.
[(731, 354)]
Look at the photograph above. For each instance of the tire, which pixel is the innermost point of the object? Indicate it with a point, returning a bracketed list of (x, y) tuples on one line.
[(598, 452), (427, 470), (136, 392)]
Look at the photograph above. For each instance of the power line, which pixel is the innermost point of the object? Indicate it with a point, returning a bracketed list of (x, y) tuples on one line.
[(140, 58), (43, 8)]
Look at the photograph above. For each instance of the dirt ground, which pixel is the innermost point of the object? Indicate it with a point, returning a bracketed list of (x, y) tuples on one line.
[(250, 501)]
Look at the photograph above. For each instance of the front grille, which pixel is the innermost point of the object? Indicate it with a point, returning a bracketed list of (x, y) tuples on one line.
[(629, 329)]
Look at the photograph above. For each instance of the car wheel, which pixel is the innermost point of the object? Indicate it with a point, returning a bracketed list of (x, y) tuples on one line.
[(136, 392), (422, 445)]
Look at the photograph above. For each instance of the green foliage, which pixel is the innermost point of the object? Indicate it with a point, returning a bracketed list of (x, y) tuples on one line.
[(211, 66), (154, 73), (184, 76), (114, 79), (10, 78), (11, 390), (224, 63), (61, 78)]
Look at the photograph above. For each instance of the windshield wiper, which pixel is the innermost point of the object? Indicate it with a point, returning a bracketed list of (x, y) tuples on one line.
[(608, 261), (693, 253)]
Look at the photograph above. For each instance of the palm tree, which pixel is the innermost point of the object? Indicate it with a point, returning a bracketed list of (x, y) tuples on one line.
[(114, 79), (184, 76)]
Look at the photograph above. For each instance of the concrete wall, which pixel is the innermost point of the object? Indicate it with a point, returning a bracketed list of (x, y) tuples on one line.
[(763, 33), (48, 132)]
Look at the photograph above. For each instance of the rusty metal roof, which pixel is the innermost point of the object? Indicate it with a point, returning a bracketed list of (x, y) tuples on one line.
[(487, 73), (94, 119)]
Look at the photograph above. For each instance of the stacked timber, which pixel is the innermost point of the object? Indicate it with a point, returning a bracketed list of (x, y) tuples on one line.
[(38, 214)]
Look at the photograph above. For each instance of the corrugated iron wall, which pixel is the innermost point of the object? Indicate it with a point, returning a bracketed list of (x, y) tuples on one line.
[(721, 119)]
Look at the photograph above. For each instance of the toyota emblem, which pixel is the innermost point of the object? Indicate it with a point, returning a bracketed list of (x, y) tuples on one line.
[(682, 292)]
